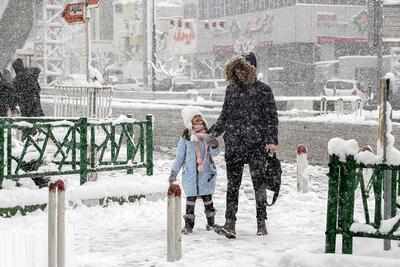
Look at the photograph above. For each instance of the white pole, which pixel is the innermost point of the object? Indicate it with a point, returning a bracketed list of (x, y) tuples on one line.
[(174, 246), (60, 224), (302, 163), (178, 227), (52, 226)]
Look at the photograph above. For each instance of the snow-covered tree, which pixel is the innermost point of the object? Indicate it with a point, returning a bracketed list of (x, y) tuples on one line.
[(170, 68), (212, 65), (244, 46)]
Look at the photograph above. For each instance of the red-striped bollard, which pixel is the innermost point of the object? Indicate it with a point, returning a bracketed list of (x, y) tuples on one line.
[(174, 223), (302, 163), (56, 226)]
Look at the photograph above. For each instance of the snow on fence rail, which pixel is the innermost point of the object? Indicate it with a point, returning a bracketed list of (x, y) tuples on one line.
[(86, 101), (64, 146)]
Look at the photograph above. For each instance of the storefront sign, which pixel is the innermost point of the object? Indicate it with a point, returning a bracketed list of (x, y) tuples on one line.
[(329, 20), (361, 21)]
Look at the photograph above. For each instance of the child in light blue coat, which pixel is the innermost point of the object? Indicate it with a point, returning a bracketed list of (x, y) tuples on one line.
[(194, 156)]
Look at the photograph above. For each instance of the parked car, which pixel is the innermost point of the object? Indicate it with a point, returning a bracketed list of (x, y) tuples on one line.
[(76, 80), (129, 84), (341, 87), (215, 85), (182, 84)]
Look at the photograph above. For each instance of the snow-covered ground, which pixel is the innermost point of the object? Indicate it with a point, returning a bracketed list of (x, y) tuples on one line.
[(134, 234)]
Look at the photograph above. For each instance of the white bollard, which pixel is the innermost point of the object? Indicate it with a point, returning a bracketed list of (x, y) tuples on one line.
[(52, 230), (302, 163), (174, 225), (56, 226)]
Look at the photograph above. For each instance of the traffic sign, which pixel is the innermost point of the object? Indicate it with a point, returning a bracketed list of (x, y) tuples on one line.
[(93, 3), (74, 13)]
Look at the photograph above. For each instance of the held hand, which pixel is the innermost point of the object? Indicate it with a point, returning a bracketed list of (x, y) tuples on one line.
[(212, 142), (272, 148)]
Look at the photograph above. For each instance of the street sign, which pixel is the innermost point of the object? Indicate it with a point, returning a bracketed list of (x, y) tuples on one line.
[(74, 13), (93, 3)]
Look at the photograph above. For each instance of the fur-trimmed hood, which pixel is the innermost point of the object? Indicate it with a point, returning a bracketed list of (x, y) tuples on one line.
[(235, 61)]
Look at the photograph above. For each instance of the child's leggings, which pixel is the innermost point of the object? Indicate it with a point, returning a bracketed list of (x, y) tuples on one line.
[(208, 205)]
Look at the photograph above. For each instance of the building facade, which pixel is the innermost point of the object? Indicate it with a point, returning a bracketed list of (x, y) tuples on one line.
[(288, 36)]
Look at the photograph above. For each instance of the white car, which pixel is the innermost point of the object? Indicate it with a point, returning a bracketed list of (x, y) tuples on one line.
[(341, 87), (129, 84), (76, 80), (211, 85)]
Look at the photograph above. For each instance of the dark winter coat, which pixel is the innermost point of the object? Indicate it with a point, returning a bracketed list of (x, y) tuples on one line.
[(248, 117), (28, 90), (7, 99)]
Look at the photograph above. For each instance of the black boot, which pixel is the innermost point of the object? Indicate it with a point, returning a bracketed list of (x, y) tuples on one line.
[(189, 224), (210, 215)]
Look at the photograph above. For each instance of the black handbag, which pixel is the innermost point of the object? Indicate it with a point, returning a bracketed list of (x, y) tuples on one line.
[(272, 176)]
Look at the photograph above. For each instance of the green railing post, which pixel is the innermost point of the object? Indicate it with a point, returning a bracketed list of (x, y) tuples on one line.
[(331, 219), (350, 182), (1, 152), (364, 197), (342, 189), (9, 150), (83, 162), (73, 143), (113, 142), (377, 185), (393, 209), (129, 145), (92, 148), (141, 142), (149, 144)]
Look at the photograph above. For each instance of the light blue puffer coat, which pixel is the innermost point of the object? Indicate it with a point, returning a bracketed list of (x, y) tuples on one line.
[(195, 183)]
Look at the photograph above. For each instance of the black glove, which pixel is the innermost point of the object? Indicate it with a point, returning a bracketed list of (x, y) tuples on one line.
[(211, 141), (172, 177)]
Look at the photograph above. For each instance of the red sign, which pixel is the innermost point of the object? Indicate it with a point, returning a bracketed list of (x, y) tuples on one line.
[(74, 13), (93, 3)]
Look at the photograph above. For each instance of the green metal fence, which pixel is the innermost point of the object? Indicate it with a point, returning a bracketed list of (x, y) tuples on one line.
[(62, 146), (345, 179)]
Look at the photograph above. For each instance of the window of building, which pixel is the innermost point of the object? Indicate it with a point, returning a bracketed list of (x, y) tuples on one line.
[(217, 8), (203, 9), (228, 7), (244, 6)]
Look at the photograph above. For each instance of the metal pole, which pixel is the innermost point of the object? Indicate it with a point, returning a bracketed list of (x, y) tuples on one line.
[(387, 184), (154, 48), (379, 45), (145, 40), (44, 21), (87, 37), (150, 22)]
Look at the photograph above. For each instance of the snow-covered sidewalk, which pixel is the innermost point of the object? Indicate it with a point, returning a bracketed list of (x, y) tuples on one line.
[(134, 234)]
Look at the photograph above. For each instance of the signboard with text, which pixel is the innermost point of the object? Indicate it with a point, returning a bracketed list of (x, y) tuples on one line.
[(74, 13)]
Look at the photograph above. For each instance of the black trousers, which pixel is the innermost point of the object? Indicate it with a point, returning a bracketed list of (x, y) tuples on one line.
[(234, 175)]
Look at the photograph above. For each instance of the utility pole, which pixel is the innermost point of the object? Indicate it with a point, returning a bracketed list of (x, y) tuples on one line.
[(154, 47), (148, 44), (87, 39), (383, 88), (145, 41)]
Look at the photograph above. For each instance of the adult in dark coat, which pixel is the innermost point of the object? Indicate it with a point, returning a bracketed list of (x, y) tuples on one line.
[(250, 122), (7, 96), (27, 87)]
